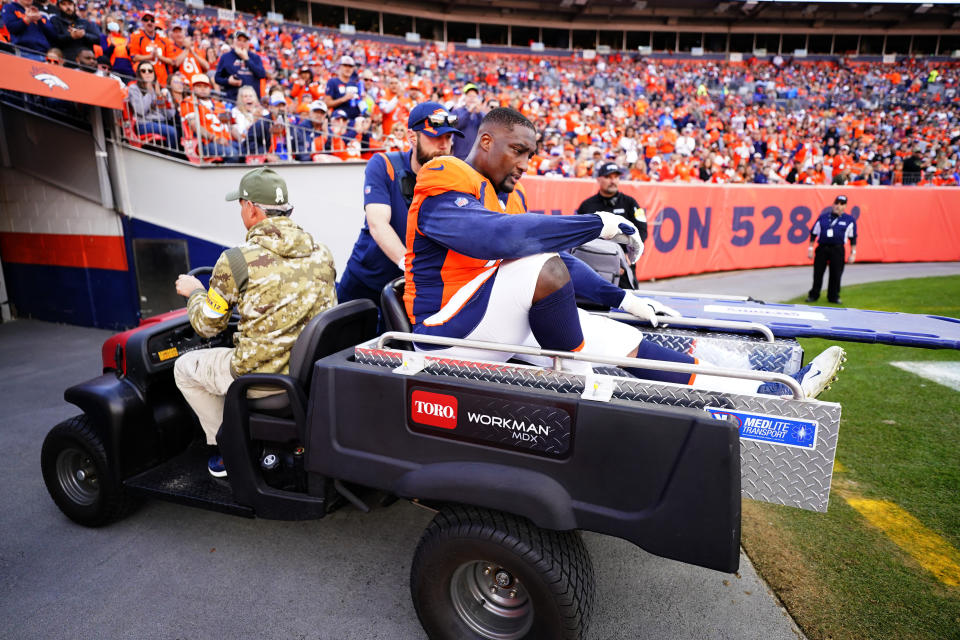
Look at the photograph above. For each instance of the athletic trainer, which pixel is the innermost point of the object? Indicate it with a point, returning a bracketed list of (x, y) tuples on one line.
[(389, 178)]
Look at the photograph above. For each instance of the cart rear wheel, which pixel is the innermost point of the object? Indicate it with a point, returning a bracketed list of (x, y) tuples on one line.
[(78, 474), (485, 574)]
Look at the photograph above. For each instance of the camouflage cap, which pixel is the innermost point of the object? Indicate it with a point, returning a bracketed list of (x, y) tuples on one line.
[(262, 186)]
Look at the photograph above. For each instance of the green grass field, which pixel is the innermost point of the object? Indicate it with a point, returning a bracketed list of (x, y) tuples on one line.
[(899, 441)]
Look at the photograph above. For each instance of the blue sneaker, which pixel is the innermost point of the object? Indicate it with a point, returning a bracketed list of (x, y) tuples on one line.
[(215, 466), (814, 378)]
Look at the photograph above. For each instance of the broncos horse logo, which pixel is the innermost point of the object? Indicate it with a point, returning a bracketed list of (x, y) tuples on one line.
[(52, 81)]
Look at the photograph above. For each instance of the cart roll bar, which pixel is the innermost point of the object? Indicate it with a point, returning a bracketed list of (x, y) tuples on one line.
[(659, 365)]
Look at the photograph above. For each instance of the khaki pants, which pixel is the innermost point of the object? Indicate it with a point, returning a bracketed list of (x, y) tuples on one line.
[(203, 377)]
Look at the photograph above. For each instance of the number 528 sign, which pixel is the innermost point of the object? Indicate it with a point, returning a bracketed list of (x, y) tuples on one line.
[(740, 226)]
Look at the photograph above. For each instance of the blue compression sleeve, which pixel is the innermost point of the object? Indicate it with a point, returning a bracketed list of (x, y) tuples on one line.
[(554, 320), (458, 221), (649, 351), (588, 283)]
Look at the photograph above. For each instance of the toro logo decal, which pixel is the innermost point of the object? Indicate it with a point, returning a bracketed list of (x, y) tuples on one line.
[(434, 409)]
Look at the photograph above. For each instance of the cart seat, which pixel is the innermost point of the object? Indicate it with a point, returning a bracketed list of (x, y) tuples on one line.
[(391, 303), (345, 325)]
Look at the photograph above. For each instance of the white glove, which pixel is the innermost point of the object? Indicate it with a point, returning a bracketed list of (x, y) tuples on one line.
[(402, 263), (810, 252), (616, 228), (853, 256), (646, 308)]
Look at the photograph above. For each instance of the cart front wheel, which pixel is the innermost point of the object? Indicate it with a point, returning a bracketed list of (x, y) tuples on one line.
[(483, 574), (78, 475)]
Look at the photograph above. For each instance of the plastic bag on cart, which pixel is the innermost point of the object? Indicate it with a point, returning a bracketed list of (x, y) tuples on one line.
[(607, 258)]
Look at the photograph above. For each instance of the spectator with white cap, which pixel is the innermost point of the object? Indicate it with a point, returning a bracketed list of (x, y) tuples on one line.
[(239, 67), (344, 91), (312, 139), (279, 143)]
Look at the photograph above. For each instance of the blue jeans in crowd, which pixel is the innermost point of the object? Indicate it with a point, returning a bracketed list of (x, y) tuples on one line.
[(170, 138), (229, 152)]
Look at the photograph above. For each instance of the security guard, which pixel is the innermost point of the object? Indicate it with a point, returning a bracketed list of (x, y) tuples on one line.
[(609, 198), (832, 230), (278, 280)]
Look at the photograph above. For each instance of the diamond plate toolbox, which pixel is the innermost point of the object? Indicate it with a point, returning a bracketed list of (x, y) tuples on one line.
[(787, 446)]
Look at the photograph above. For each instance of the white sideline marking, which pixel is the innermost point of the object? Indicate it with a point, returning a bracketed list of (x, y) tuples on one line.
[(945, 373)]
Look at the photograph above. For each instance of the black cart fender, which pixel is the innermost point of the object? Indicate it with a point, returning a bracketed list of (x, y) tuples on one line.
[(494, 486), (117, 407)]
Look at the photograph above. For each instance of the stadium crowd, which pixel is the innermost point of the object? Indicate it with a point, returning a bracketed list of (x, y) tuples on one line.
[(250, 90)]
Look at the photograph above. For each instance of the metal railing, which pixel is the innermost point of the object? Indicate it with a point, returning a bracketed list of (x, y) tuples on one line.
[(208, 129), (559, 356), (155, 119)]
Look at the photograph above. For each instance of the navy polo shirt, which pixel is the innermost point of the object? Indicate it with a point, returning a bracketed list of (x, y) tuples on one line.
[(337, 88), (367, 262), (831, 229)]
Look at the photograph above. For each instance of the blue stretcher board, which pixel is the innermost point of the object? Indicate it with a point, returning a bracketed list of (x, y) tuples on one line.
[(837, 323)]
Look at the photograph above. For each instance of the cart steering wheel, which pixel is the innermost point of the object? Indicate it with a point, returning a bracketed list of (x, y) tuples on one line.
[(200, 271)]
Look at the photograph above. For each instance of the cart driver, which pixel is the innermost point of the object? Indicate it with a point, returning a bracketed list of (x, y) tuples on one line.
[(277, 281), (472, 272)]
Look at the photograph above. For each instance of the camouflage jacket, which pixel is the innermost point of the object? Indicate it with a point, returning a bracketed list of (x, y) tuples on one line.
[(290, 280)]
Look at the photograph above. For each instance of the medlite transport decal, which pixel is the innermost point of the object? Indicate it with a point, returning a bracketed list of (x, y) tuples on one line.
[(789, 432), (531, 427)]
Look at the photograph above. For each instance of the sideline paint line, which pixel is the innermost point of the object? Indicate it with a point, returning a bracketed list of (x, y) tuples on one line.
[(945, 373), (934, 554)]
